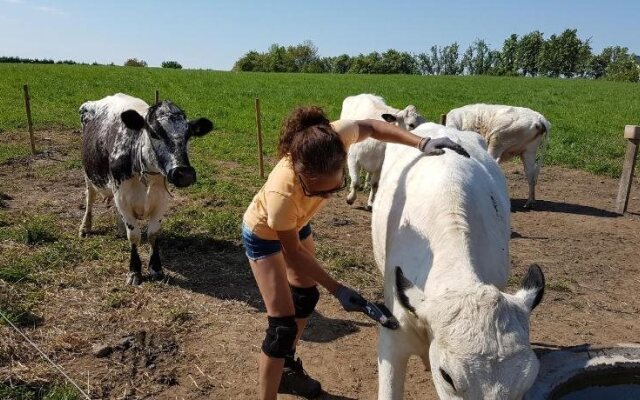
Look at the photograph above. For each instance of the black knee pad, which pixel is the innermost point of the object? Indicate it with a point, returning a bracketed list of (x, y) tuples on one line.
[(281, 334), (304, 300)]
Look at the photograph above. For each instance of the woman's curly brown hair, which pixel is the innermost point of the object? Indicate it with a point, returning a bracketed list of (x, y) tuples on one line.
[(314, 147)]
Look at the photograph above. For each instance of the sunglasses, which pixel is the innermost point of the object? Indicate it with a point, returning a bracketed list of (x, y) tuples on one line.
[(309, 193)]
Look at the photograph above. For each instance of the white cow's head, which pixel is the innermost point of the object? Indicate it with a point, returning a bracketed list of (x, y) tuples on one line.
[(409, 118), (479, 338)]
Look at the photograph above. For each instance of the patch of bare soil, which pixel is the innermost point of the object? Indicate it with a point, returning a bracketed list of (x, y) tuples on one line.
[(197, 335)]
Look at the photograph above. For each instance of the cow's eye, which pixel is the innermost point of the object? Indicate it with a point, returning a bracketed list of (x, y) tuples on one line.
[(447, 378), (412, 126)]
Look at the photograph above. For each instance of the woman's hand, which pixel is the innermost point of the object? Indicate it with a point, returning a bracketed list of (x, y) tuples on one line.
[(435, 147), (350, 299)]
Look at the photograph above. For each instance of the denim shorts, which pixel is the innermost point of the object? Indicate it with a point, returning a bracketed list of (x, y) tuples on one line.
[(258, 248)]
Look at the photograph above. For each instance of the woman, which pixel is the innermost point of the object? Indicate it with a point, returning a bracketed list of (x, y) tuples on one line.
[(277, 235)]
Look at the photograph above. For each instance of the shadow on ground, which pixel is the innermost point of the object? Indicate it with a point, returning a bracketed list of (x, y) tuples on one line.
[(517, 205)]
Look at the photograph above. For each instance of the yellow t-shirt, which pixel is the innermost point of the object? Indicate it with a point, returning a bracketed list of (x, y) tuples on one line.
[(281, 205)]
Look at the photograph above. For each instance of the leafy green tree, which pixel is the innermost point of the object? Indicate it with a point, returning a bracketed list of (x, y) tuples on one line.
[(425, 64), (620, 65), (359, 65), (449, 57), (565, 55), (301, 57), (341, 64), (276, 60), (396, 62), (477, 59), (575, 53), (436, 61), (528, 52), (508, 56), (134, 62), (252, 61), (550, 57), (171, 64)]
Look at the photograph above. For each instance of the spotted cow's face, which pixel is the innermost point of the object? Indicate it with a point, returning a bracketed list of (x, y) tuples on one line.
[(169, 132)]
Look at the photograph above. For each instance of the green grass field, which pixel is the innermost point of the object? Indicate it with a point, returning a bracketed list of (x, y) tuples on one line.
[(587, 117), (43, 254)]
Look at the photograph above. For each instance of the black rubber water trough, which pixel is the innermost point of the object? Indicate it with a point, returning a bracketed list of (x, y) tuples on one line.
[(587, 372)]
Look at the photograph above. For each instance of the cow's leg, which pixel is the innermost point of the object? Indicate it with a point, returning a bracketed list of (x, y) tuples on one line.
[(90, 194), (121, 230), (425, 360), (354, 174), (392, 364), (495, 153), (375, 178), (531, 170), (126, 213), (158, 210), (155, 265), (134, 236)]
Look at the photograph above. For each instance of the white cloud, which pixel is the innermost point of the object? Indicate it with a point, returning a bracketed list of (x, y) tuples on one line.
[(49, 10)]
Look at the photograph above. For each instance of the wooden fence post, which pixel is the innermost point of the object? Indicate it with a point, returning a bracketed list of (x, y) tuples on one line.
[(27, 105), (631, 133), (443, 119), (259, 134)]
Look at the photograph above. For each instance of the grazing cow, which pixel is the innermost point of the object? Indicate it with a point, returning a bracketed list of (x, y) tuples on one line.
[(441, 231), (509, 131), (129, 152), (369, 154)]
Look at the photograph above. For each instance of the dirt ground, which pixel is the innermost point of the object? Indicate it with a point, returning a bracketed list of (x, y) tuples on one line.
[(197, 335)]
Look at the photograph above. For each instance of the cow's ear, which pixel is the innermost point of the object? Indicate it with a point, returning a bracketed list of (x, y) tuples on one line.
[(409, 295), (200, 126), (132, 120), (389, 117), (532, 287)]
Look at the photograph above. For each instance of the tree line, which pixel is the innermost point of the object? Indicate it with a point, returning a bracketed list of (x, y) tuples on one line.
[(131, 62), (560, 56), (19, 60)]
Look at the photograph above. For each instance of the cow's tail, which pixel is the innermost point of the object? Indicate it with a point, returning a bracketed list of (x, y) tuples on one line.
[(542, 149)]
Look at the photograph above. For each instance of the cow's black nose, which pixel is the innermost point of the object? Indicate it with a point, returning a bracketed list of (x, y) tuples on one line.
[(182, 176)]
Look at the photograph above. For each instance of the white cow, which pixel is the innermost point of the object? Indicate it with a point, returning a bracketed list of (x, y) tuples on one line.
[(441, 234), (369, 154), (509, 131)]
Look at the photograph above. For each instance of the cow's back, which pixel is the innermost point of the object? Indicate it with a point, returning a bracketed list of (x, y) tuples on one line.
[(486, 119), (369, 152), (102, 127), (365, 106), (441, 204)]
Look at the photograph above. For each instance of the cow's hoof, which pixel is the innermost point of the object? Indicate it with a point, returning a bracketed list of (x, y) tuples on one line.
[(83, 233), (368, 207), (350, 200), (134, 278), (156, 275), (529, 205)]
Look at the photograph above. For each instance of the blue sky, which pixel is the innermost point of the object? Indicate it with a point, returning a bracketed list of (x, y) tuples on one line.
[(213, 34)]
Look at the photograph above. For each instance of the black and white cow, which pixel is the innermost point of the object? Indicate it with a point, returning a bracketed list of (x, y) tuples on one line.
[(129, 152)]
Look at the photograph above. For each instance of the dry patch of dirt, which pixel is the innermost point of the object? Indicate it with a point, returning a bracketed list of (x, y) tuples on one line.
[(197, 335)]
